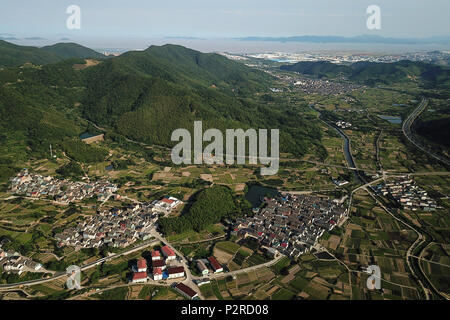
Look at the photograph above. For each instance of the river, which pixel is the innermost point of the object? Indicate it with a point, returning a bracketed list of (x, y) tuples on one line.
[(347, 153)]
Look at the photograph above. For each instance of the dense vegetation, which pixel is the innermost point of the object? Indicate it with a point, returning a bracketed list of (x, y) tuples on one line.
[(71, 170), (14, 55), (211, 206), (82, 152), (143, 96), (72, 50), (372, 73), (436, 130)]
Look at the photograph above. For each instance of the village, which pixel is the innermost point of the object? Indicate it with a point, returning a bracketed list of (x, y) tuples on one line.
[(61, 190), (291, 224), (13, 262), (117, 227), (317, 86), (407, 193)]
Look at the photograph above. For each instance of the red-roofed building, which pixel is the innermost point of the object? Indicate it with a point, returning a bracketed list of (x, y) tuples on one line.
[(186, 291), (159, 264), (156, 255), (142, 265), (139, 277), (167, 200), (157, 274), (168, 253), (166, 204), (175, 272), (215, 264)]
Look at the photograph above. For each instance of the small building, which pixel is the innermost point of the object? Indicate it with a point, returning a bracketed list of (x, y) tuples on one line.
[(139, 277), (156, 255), (175, 272), (142, 265), (215, 264), (186, 291), (202, 267), (157, 274), (168, 253), (159, 264)]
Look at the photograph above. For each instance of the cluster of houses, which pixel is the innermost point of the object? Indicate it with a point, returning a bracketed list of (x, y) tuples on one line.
[(61, 190), (290, 224), (117, 228), (343, 124), (321, 86), (13, 262), (212, 262), (407, 193), (161, 267)]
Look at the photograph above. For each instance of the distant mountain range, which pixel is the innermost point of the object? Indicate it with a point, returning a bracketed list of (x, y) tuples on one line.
[(372, 73), (14, 55), (357, 39)]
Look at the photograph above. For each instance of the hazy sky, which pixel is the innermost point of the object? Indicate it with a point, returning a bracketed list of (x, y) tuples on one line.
[(225, 18)]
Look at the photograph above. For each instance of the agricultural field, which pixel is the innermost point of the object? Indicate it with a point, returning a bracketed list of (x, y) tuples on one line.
[(372, 236), (242, 286), (240, 255), (436, 265)]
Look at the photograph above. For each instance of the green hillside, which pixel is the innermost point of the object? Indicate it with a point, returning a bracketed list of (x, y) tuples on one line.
[(15, 55), (146, 95), (372, 73), (72, 50), (318, 69), (142, 95)]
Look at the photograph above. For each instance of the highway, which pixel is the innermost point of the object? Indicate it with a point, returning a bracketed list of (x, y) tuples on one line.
[(406, 128)]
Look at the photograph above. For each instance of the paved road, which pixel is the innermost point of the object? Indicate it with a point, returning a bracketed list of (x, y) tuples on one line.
[(189, 278), (232, 273), (406, 128), (59, 275), (199, 241)]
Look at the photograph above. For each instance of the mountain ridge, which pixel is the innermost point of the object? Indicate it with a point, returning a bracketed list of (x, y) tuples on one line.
[(372, 73), (12, 55)]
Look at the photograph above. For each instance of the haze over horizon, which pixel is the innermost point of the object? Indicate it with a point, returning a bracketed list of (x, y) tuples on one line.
[(117, 24)]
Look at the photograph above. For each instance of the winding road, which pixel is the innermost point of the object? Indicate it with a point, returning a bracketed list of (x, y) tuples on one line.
[(407, 131)]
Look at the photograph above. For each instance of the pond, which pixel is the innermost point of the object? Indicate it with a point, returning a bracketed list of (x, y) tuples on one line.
[(86, 135), (256, 193), (392, 119)]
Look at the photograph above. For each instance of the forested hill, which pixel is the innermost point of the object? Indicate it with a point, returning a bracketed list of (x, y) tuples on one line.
[(72, 50), (146, 95), (15, 55), (372, 73), (143, 95)]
